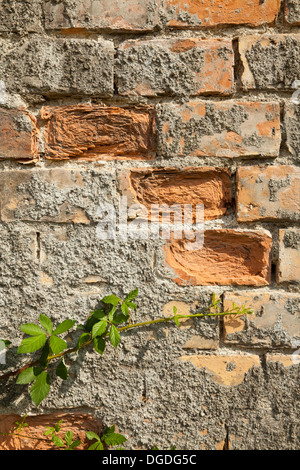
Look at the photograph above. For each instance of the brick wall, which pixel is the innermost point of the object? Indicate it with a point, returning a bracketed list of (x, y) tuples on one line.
[(164, 102)]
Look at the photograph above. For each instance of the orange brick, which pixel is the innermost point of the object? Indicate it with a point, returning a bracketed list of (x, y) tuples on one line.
[(98, 132), (228, 257), (175, 66), (219, 129), (208, 186), (271, 193), (18, 135), (188, 13)]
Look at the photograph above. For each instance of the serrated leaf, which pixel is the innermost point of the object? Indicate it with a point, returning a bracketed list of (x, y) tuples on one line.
[(125, 309), (91, 321), (131, 305), (121, 318), (92, 435), (68, 438), (45, 354), (99, 345), (46, 323), (96, 446), (132, 295), (64, 326), (74, 444), (99, 328), (62, 371), (57, 344), (112, 300), (32, 344), (32, 329), (112, 313), (99, 314), (114, 336), (114, 439), (57, 441), (177, 321), (40, 388), (84, 338), (28, 375)]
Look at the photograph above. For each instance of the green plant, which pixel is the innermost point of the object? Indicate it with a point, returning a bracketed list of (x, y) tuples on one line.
[(105, 324)]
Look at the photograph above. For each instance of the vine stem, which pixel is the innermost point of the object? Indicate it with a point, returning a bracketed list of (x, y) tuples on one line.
[(201, 314)]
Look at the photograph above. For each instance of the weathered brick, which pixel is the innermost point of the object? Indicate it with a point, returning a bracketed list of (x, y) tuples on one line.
[(292, 11), (112, 15), (93, 132), (175, 66), (284, 359), (57, 195), (228, 371), (271, 193), (78, 423), (219, 129), (208, 186), (58, 66), (228, 257), (20, 16), (289, 255), (292, 123), (270, 62), (18, 135), (207, 13), (274, 323)]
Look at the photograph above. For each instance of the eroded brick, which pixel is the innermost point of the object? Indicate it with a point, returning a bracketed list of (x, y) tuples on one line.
[(94, 132), (18, 135), (210, 187), (292, 122), (275, 321), (113, 15), (219, 129), (207, 13), (292, 11), (228, 257), (289, 255), (175, 67), (228, 371), (271, 193), (271, 62), (20, 16)]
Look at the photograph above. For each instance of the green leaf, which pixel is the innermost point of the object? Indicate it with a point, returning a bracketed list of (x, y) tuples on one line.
[(66, 325), (99, 314), (177, 321), (40, 388), (4, 343), (99, 345), (46, 323), (32, 329), (125, 309), (57, 344), (175, 310), (74, 444), (131, 305), (132, 295), (96, 446), (62, 371), (57, 441), (111, 299), (28, 375), (121, 318), (114, 439), (32, 344), (114, 336), (92, 435), (45, 354), (84, 338), (69, 438), (112, 313), (91, 321), (99, 328)]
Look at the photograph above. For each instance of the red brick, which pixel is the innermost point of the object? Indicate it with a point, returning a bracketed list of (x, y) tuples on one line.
[(18, 135), (271, 193), (189, 13), (98, 132), (113, 15), (208, 186), (228, 257), (219, 129), (174, 66)]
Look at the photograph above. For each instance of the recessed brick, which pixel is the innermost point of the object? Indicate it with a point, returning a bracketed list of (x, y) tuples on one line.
[(292, 12), (18, 135), (228, 371), (292, 124), (99, 132), (78, 423), (275, 321), (271, 193), (208, 186), (228, 257), (219, 129), (20, 16), (175, 66), (271, 62), (51, 195), (207, 13), (289, 256), (58, 66), (112, 15)]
